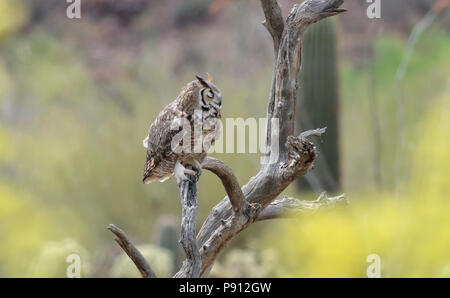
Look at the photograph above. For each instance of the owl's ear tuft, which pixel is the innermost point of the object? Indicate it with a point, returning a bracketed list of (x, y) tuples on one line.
[(202, 81), (210, 78)]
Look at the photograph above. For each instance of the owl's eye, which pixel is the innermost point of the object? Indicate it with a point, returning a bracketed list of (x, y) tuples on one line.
[(210, 94)]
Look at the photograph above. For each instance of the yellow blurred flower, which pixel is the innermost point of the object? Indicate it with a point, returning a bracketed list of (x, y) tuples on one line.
[(411, 234)]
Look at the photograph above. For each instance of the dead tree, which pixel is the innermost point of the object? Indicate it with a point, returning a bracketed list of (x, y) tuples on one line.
[(256, 200)]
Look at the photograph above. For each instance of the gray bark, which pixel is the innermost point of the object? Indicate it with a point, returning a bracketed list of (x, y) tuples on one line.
[(189, 207)]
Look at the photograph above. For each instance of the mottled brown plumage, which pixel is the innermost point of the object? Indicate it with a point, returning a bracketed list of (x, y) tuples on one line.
[(171, 139)]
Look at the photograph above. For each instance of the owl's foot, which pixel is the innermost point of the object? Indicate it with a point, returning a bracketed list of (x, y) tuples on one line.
[(197, 167), (180, 173)]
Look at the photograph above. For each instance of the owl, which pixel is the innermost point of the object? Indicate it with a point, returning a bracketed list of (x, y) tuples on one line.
[(182, 132)]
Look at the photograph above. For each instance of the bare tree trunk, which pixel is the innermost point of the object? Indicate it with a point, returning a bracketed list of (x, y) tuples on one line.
[(189, 207)]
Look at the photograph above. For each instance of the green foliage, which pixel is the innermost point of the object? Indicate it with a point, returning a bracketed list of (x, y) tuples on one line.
[(160, 259), (42, 56), (5, 148), (5, 82), (248, 263), (12, 16), (409, 233), (52, 260), (426, 78), (23, 227)]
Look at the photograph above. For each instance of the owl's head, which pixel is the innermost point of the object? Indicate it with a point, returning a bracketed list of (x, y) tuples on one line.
[(209, 94)]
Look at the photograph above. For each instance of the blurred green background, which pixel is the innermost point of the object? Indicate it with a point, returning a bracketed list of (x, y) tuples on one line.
[(77, 97)]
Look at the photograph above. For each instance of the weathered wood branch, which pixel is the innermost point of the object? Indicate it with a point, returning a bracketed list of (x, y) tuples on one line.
[(229, 181), (189, 206), (292, 208), (313, 133), (274, 21), (134, 254)]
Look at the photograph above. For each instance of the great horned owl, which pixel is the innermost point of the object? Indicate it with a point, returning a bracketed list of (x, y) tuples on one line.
[(174, 140)]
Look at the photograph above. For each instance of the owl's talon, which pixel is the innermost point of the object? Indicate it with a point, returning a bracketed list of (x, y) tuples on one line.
[(179, 173), (181, 179), (190, 172), (197, 168)]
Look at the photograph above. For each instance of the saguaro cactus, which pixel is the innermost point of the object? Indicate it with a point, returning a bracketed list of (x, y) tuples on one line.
[(319, 104), (168, 237)]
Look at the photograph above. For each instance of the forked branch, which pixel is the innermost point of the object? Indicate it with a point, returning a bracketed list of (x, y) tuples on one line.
[(293, 208), (134, 254), (229, 181), (274, 21)]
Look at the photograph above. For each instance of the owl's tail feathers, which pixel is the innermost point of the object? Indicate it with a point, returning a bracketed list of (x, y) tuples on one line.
[(148, 180), (149, 166)]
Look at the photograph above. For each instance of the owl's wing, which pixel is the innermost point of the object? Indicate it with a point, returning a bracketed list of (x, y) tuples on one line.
[(159, 139)]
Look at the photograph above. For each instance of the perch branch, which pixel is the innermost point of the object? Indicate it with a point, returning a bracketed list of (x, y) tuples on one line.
[(229, 181), (189, 205), (134, 254), (313, 133), (292, 208), (274, 21)]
